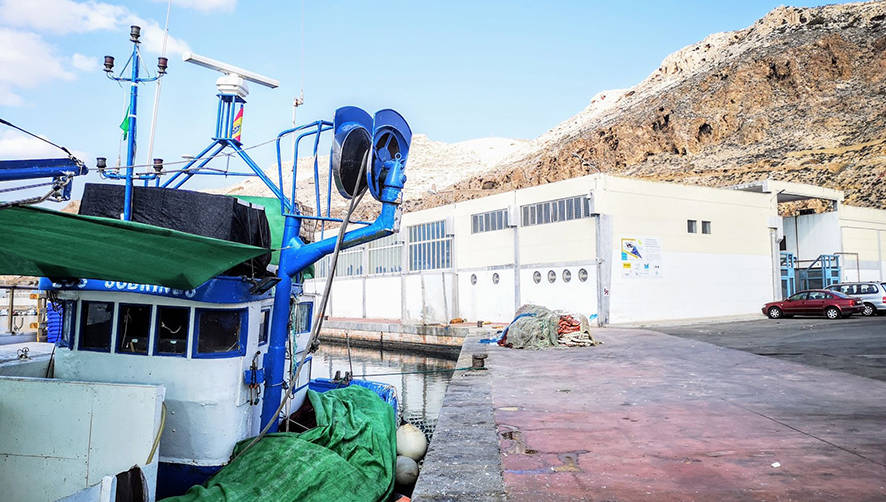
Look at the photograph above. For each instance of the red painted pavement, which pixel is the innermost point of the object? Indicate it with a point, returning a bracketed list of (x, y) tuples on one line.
[(647, 416)]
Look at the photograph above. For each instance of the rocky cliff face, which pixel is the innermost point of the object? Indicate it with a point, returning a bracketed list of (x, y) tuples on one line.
[(799, 96)]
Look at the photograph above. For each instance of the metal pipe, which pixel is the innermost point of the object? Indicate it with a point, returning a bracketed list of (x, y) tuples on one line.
[(130, 145), (11, 297), (295, 256)]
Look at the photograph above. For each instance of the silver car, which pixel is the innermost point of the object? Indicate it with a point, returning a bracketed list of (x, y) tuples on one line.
[(872, 293)]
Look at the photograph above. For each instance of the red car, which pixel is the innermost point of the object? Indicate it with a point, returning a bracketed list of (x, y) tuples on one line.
[(831, 304)]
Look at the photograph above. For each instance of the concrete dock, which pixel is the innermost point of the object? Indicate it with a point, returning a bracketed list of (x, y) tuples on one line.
[(655, 417)]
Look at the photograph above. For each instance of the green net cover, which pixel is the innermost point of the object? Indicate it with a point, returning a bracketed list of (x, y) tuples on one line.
[(45, 243), (350, 456)]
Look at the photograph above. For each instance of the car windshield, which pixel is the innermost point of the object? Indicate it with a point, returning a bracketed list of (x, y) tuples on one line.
[(839, 294)]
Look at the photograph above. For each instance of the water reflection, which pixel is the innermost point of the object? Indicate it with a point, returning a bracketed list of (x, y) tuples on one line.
[(420, 394)]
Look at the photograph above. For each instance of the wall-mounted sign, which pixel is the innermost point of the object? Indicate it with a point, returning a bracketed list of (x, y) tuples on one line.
[(640, 257)]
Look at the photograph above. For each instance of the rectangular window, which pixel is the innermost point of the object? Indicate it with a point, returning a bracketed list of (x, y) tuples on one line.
[(133, 328), (691, 226), (171, 330), (69, 319), (430, 249), (552, 211), (264, 327), (490, 221), (705, 227), (96, 322), (303, 313), (220, 333)]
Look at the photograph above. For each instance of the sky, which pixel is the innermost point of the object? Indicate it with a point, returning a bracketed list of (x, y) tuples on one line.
[(457, 70)]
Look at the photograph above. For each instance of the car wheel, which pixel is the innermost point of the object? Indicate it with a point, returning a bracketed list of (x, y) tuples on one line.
[(832, 312), (774, 313), (869, 310)]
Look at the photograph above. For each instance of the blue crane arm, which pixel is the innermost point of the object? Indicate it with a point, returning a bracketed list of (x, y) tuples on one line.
[(40, 168)]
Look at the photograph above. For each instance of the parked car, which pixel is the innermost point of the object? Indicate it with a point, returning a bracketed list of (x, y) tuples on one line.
[(831, 304), (872, 293)]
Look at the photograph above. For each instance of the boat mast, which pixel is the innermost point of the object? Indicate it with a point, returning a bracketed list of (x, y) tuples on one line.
[(134, 80)]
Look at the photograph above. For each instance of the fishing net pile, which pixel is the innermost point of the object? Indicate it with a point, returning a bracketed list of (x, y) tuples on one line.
[(537, 327)]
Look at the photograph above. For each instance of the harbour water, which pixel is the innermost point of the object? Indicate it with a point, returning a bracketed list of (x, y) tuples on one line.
[(420, 378)]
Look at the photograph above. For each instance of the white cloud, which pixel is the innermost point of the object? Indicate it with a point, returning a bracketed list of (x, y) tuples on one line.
[(26, 62), (61, 16), (84, 63), (204, 5), (17, 145), (152, 38), (67, 16)]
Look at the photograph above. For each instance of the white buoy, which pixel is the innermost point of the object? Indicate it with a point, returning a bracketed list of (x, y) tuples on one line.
[(411, 442), (407, 471)]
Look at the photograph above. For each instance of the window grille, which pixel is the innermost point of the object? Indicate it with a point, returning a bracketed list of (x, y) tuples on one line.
[(552, 211), (385, 255), (489, 221), (429, 246), (350, 262)]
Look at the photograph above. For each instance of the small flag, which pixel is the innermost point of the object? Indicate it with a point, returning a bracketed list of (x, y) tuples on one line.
[(238, 122), (125, 124)]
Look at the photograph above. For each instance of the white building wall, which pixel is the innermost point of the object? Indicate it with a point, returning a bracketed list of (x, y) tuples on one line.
[(809, 235), (485, 300), (733, 270), (863, 231), (726, 272)]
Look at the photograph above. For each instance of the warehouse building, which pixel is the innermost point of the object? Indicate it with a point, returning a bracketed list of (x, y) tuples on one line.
[(617, 249)]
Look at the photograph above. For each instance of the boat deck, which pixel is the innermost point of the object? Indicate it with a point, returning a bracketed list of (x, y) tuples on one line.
[(652, 416)]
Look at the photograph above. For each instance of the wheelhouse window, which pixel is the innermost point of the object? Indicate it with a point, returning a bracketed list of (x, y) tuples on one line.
[(96, 322), (220, 333), (264, 327), (171, 332), (705, 227), (133, 328), (692, 226), (69, 323), (302, 322)]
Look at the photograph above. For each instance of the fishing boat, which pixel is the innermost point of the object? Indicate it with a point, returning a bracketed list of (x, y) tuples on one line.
[(185, 328)]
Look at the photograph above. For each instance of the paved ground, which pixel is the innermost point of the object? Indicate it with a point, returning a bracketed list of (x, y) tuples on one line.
[(656, 417), (856, 345)]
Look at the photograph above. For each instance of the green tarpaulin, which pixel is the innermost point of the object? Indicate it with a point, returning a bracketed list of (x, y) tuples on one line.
[(350, 456), (45, 243), (275, 221)]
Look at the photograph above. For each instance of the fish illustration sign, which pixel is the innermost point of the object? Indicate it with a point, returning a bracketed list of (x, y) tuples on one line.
[(640, 257)]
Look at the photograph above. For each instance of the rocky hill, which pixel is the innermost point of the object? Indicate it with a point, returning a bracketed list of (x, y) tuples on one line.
[(798, 96)]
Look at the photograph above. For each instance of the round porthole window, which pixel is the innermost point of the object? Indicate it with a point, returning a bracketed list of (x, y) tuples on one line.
[(495, 278), (536, 276), (567, 276), (473, 279), (552, 276), (582, 275)]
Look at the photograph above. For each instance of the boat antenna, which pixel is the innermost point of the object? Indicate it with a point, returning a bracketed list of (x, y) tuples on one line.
[(158, 88)]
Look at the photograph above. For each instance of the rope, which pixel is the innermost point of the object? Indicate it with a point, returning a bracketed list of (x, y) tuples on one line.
[(192, 170), (29, 133), (159, 434), (52, 194)]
